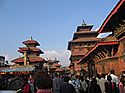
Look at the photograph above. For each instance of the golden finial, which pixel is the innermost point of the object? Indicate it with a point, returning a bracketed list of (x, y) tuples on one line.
[(83, 22)]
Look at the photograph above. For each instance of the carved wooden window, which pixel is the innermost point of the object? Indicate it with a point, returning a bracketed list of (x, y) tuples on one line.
[(76, 51)]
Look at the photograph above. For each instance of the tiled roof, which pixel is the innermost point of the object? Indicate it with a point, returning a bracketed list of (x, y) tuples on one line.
[(84, 32), (113, 12), (34, 49), (31, 59), (86, 39), (56, 65), (29, 42), (96, 46), (22, 49)]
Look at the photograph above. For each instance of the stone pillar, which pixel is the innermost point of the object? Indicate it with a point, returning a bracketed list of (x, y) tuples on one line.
[(91, 68), (25, 58), (48, 66)]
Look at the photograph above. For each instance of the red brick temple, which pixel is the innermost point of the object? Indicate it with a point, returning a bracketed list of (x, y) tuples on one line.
[(30, 54), (109, 53), (83, 41)]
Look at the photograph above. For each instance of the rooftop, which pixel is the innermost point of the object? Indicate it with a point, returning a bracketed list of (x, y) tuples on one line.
[(30, 42), (30, 59)]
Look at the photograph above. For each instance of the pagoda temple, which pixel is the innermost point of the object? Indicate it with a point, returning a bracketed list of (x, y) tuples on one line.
[(30, 54), (109, 54), (83, 41), (53, 66)]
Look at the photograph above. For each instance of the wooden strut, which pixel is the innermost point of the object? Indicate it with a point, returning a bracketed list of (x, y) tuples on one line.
[(103, 53), (112, 52), (107, 52)]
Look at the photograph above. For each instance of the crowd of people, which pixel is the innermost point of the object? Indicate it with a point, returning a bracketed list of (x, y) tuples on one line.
[(42, 82), (104, 83)]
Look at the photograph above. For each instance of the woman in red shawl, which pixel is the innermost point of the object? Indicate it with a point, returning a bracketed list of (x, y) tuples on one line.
[(26, 86)]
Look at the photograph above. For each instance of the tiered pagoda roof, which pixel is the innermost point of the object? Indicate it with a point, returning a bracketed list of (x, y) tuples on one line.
[(83, 41), (113, 21), (84, 34), (55, 66), (109, 53), (32, 52)]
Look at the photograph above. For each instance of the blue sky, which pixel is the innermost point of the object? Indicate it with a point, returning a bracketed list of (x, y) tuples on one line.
[(50, 22)]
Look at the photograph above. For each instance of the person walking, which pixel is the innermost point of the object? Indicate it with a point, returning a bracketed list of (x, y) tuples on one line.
[(102, 82), (83, 85), (26, 86), (57, 82), (66, 87), (121, 85), (114, 77), (110, 87), (76, 83), (94, 87)]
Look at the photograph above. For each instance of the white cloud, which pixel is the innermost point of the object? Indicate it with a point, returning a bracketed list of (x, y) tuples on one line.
[(62, 56), (103, 35)]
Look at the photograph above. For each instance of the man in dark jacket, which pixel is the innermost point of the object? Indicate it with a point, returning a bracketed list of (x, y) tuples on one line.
[(66, 87), (94, 87)]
